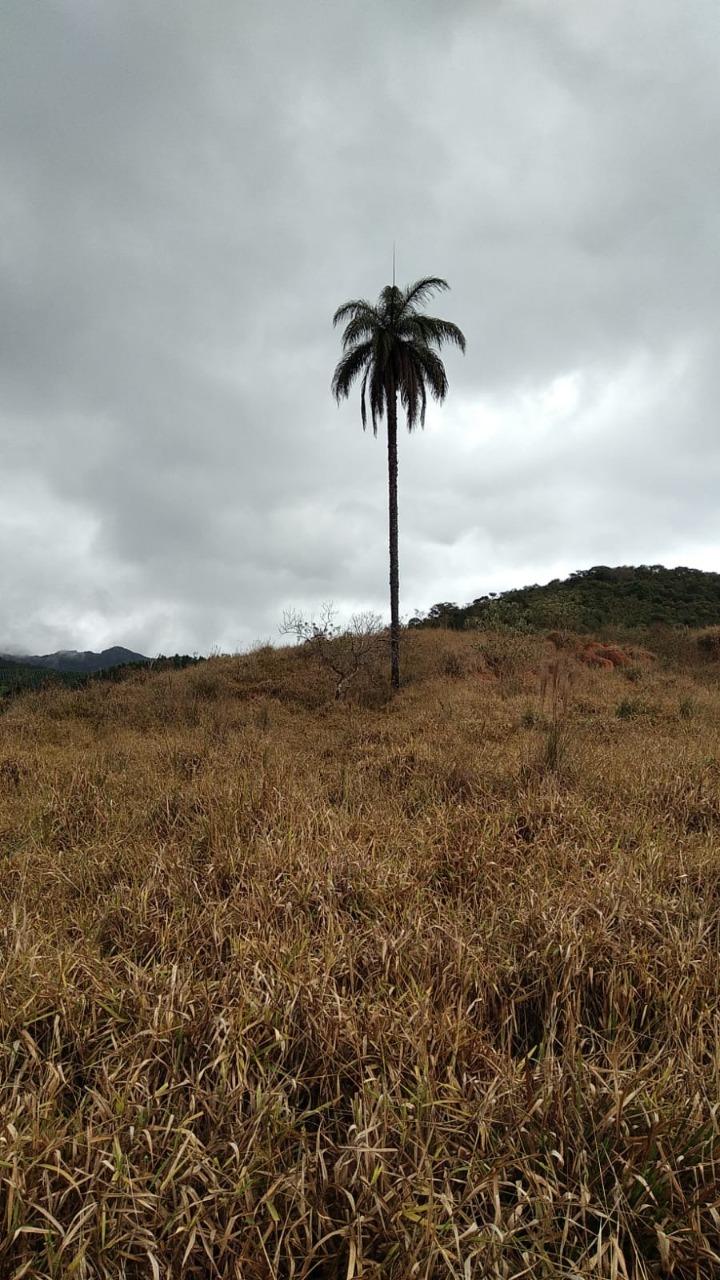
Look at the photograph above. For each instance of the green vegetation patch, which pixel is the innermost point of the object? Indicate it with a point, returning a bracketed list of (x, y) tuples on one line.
[(592, 599)]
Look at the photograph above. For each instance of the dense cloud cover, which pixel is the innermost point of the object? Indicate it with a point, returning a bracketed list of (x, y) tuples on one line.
[(187, 192)]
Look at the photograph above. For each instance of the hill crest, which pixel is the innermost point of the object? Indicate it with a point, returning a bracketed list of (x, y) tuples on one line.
[(74, 660), (626, 596)]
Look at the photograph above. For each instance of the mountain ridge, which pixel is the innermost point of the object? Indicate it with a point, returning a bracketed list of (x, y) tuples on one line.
[(75, 660)]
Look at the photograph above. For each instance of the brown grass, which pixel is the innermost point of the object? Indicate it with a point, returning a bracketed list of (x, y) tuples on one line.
[(597, 653), (430, 987)]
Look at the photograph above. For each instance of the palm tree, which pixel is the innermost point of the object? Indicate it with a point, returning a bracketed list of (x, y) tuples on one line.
[(390, 346)]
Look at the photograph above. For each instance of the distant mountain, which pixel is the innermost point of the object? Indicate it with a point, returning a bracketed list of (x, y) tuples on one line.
[(79, 663), (625, 596)]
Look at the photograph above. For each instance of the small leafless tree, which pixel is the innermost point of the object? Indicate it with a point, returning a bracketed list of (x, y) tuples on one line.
[(343, 650)]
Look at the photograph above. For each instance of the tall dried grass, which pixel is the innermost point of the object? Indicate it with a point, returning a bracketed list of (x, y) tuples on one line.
[(292, 988)]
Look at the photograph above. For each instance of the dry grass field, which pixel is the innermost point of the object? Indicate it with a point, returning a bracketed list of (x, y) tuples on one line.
[(428, 988)]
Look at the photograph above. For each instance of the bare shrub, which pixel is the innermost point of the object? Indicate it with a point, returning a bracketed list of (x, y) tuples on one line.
[(345, 651)]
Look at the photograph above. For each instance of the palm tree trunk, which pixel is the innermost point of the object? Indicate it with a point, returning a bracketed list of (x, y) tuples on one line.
[(393, 521)]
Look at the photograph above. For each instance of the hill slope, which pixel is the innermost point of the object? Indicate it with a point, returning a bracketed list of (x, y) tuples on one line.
[(625, 596), (425, 988)]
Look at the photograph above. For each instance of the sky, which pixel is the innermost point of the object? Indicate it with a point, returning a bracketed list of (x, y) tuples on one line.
[(189, 190)]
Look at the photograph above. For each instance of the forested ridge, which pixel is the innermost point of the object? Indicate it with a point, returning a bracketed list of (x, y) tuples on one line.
[(17, 676), (590, 599)]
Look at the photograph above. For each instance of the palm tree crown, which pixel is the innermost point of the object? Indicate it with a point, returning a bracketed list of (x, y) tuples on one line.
[(391, 346)]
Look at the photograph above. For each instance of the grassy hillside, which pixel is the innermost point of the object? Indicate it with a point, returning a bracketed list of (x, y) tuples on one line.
[(599, 598), (297, 987)]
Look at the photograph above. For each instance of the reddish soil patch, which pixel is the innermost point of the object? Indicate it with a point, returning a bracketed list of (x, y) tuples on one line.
[(595, 654)]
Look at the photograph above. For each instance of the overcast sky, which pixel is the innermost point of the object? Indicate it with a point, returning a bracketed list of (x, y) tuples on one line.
[(189, 189)]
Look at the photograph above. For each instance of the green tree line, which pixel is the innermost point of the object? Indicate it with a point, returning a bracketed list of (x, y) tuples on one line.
[(626, 596), (17, 678)]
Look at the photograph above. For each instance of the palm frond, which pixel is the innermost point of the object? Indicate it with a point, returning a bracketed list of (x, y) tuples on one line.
[(349, 369), (379, 393), (363, 404), (415, 294), (435, 332), (390, 303), (362, 326), (432, 372), (349, 310), (411, 388)]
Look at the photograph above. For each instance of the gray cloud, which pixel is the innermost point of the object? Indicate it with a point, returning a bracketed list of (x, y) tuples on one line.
[(187, 195)]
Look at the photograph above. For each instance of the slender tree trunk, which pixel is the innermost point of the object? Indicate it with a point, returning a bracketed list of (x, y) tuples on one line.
[(393, 513)]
